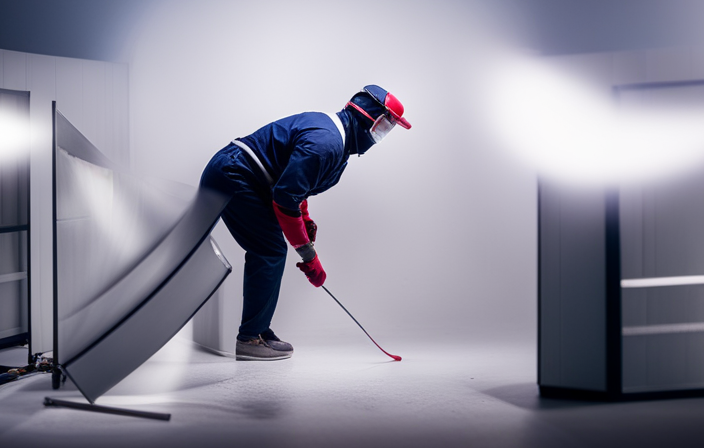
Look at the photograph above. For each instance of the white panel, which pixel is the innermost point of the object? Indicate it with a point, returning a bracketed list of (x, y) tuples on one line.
[(698, 62), (41, 80), (669, 64), (11, 305), (629, 67), (215, 326), (109, 146), (69, 90), (93, 97), (631, 228), (15, 71), (678, 249), (121, 107)]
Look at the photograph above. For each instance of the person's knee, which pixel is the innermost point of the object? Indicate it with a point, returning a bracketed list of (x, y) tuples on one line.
[(276, 262), (271, 257)]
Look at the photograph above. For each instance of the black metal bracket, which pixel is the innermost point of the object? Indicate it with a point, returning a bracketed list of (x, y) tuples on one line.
[(105, 409)]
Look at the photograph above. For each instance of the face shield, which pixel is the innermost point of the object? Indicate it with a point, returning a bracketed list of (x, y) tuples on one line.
[(387, 109), (382, 126)]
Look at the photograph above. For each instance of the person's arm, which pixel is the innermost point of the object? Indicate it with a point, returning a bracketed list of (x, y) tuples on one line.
[(305, 167), (294, 229)]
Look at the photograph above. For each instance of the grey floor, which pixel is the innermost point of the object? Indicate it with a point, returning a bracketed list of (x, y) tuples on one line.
[(343, 395)]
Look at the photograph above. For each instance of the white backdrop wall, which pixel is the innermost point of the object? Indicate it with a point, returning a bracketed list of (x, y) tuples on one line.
[(94, 96), (430, 235)]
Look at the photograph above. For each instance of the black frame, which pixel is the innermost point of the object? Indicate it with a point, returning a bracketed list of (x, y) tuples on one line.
[(56, 372)]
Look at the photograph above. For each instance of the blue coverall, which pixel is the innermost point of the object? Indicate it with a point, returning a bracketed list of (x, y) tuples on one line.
[(305, 155)]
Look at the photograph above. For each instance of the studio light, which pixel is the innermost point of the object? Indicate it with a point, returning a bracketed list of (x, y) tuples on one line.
[(572, 131), (14, 135)]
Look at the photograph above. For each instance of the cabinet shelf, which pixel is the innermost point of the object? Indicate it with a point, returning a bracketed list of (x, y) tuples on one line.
[(13, 277), (648, 330), (12, 229)]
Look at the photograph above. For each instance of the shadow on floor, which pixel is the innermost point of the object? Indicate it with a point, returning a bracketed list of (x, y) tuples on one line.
[(527, 396)]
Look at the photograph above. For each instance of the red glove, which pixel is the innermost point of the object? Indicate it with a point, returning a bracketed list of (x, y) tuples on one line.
[(296, 233), (293, 227), (311, 227), (314, 271)]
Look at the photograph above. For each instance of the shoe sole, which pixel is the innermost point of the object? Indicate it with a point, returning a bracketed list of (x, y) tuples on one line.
[(242, 357), (256, 358)]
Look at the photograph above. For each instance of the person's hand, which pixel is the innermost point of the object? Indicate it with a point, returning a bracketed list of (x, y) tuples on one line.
[(314, 271), (311, 227)]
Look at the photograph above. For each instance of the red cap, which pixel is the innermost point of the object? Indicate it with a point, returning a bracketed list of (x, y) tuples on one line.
[(396, 108)]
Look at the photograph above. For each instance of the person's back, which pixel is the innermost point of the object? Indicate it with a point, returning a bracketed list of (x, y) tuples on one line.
[(304, 154)]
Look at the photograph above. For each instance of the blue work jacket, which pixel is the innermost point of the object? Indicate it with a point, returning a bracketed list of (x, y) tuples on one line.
[(304, 154)]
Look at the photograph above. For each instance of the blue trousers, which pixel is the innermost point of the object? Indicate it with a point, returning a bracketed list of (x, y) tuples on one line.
[(250, 218)]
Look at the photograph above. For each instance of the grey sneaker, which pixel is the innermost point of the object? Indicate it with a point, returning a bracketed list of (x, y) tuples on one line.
[(276, 343), (260, 350)]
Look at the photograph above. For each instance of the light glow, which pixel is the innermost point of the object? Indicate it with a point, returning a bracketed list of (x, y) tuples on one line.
[(108, 209), (573, 131), (14, 136)]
